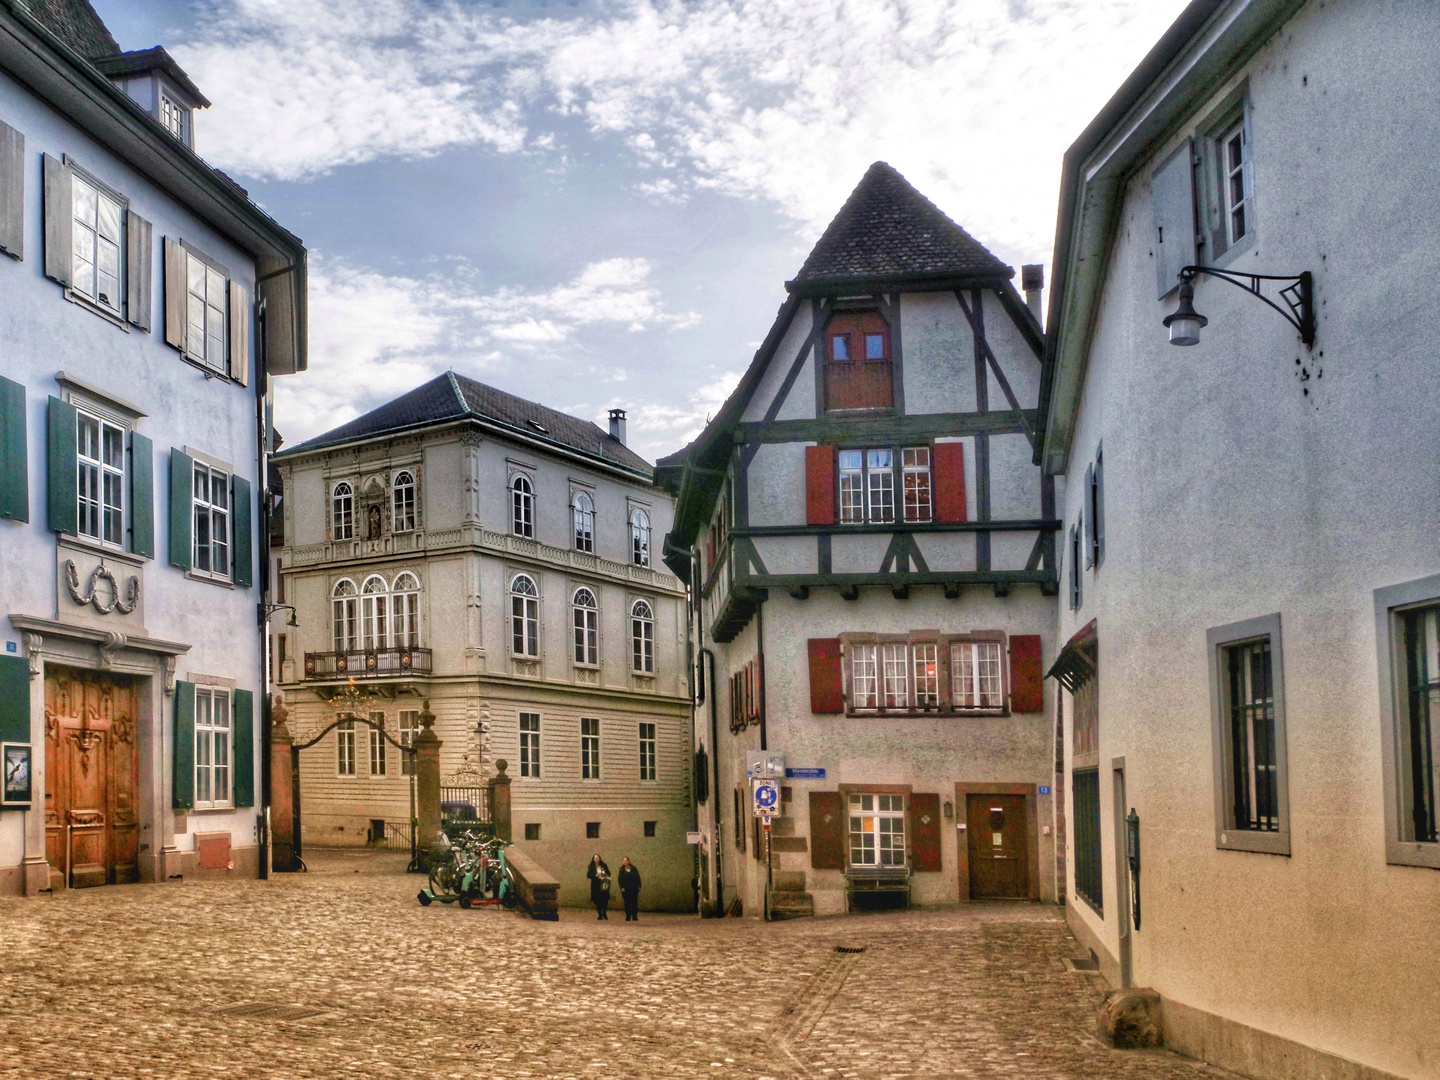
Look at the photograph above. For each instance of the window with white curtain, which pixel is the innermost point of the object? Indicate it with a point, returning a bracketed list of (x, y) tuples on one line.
[(587, 627), (975, 675), (97, 268)]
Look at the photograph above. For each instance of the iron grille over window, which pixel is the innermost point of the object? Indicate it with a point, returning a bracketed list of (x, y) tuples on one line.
[(1086, 784), (1252, 737), (1422, 667)]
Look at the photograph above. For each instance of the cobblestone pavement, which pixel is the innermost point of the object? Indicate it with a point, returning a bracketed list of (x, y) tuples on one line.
[(340, 973)]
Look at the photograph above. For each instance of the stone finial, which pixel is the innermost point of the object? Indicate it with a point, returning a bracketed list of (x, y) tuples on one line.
[(279, 716), (501, 765), (427, 718)]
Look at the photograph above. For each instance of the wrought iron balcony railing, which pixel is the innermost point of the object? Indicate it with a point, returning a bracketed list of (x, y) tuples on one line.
[(367, 663)]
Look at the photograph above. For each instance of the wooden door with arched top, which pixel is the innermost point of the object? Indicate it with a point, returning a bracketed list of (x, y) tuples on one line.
[(92, 774)]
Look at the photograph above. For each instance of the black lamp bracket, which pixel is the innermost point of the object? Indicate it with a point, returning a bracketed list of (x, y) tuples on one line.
[(1299, 310)]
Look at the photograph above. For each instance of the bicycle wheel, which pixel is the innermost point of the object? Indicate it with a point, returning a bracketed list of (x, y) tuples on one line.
[(442, 879)]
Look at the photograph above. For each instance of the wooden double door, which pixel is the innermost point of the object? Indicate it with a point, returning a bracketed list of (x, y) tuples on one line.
[(998, 848), (92, 778)]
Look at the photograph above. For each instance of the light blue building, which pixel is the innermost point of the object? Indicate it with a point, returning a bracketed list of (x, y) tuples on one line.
[(144, 303)]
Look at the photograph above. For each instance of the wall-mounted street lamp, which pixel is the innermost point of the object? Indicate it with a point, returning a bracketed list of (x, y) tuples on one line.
[(266, 610), (1185, 322)]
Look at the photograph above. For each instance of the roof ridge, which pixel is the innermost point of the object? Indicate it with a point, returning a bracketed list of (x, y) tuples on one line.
[(459, 394)]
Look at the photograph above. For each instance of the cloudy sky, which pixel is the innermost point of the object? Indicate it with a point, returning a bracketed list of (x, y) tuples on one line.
[(597, 204)]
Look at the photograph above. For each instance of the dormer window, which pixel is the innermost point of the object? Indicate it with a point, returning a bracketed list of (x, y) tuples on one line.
[(175, 116), (858, 369), (158, 85)]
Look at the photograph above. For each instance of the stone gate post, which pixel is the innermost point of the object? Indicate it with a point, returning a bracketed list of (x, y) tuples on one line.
[(282, 791), (500, 801), (427, 782)]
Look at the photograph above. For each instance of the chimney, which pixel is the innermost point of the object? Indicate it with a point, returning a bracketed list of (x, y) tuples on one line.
[(1032, 280), (617, 425)]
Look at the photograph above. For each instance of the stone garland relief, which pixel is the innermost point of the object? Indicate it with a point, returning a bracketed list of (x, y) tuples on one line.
[(95, 597)]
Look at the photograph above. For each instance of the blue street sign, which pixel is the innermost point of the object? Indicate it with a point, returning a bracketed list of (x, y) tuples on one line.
[(766, 795), (1044, 789), (805, 774)]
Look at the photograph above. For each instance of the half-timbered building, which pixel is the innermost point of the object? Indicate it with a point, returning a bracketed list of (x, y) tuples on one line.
[(872, 556)]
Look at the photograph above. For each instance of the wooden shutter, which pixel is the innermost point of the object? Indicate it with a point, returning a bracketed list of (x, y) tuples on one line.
[(241, 540), (284, 327), (827, 690), (949, 458), (60, 481), (1089, 517), (14, 699), (59, 221), (182, 490), (142, 496), (1172, 190), (12, 192), (243, 728), (1074, 557), (820, 485), (740, 796), (925, 832), (827, 831), (239, 333), (182, 795), (1026, 676), (14, 467), (1099, 508), (175, 294), (139, 270)]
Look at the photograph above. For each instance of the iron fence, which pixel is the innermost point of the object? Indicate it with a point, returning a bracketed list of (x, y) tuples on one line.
[(465, 809)]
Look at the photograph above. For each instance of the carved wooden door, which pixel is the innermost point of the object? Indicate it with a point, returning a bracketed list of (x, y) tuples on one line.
[(92, 773), (999, 866)]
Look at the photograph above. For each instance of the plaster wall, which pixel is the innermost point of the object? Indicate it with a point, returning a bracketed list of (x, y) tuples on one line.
[(939, 354), (799, 403)]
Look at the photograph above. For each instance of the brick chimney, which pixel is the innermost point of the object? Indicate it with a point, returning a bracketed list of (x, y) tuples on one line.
[(617, 425), (1032, 280)]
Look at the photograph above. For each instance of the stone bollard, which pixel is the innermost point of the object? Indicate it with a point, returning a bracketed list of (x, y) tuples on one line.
[(500, 801), (427, 784), (282, 790), (1130, 1019)]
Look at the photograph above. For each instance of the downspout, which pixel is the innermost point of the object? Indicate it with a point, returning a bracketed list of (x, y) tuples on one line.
[(262, 488), (705, 653), (764, 744)]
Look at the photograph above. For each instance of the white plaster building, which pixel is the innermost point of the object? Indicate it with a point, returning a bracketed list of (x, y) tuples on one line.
[(133, 393), (1252, 576)]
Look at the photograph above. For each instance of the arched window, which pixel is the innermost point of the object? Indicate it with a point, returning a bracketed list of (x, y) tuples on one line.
[(405, 611), (342, 512), (524, 616), (374, 607), (402, 494), (642, 638), (587, 627), (522, 507), (345, 610), (584, 522), (640, 538)]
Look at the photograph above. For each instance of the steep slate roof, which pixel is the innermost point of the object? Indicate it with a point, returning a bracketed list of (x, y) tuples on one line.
[(75, 23), (454, 397), (889, 231)]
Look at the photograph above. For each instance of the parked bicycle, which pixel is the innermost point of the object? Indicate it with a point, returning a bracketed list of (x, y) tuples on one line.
[(470, 870)]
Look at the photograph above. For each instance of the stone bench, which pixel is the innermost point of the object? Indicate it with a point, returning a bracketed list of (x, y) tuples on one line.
[(538, 890)]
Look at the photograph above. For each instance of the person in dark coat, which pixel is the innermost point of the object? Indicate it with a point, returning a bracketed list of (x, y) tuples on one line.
[(599, 875), (630, 889)]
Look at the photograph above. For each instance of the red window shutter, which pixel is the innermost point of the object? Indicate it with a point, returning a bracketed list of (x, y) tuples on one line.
[(827, 831), (949, 461), (820, 485), (925, 831), (1026, 676), (827, 694)]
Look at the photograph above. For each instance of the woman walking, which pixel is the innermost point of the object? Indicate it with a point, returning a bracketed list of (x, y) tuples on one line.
[(599, 875), (630, 889)]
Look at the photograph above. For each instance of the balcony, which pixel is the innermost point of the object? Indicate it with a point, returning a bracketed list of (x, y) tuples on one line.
[(859, 384), (367, 664)]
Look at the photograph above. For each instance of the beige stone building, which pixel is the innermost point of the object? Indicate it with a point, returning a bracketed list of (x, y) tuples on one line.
[(494, 557)]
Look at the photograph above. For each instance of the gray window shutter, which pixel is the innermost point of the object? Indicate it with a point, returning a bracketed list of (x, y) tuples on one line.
[(284, 327), (1173, 192), (239, 333), (175, 294), (182, 795), (182, 493), (243, 729), (12, 191), (138, 271), (142, 496), (59, 221), (1089, 518), (241, 542), (14, 470), (60, 479), (1099, 509)]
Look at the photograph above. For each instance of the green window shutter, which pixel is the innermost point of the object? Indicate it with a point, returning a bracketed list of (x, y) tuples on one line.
[(60, 473), (14, 472), (183, 795), (241, 542), (182, 492), (14, 699), (142, 495), (243, 727)]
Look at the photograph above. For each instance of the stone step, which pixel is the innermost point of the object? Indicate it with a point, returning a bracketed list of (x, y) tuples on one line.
[(788, 904)]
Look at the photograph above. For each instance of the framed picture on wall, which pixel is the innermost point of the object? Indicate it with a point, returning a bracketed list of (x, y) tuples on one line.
[(15, 758)]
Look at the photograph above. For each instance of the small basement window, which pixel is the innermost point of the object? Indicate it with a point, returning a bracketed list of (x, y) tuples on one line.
[(532, 830), (649, 828), (592, 830)]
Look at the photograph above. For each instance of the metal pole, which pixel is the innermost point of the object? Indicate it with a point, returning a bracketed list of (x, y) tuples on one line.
[(295, 806)]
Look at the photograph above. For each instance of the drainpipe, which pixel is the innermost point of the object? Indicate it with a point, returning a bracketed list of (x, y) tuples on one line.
[(705, 653), (262, 488)]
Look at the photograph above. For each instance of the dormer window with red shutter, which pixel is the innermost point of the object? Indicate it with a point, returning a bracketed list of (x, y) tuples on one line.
[(858, 369)]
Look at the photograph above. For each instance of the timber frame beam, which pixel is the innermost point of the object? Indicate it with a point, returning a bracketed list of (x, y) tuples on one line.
[(888, 428)]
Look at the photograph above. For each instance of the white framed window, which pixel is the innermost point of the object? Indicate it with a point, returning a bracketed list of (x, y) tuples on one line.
[(926, 666), (379, 759), (642, 638), (877, 830), (895, 673), (589, 748), (522, 507), (175, 117), (647, 751), (976, 677), (867, 486), (524, 616), (915, 473), (342, 511), (1234, 144), (409, 728), (402, 496), (530, 744), (584, 512), (639, 537), (345, 616), (97, 266), (586, 623), (206, 306), (211, 525), (1407, 618), (405, 611), (374, 621), (212, 748), (100, 479), (864, 676), (345, 748)]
